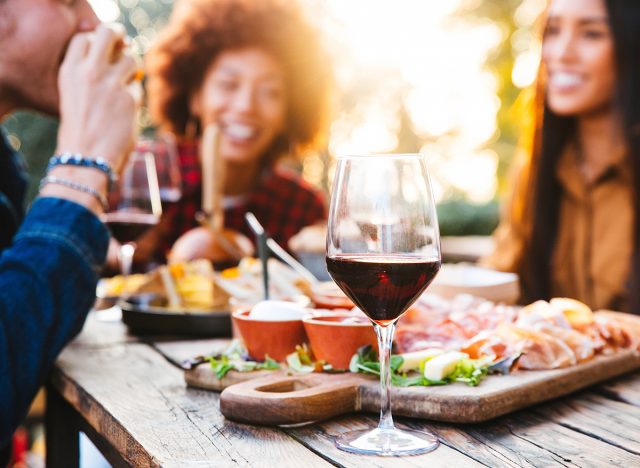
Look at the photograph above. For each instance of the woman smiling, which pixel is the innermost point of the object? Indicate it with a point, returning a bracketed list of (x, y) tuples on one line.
[(257, 71), (573, 228)]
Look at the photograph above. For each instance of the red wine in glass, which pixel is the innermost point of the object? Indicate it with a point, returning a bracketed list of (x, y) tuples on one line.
[(128, 226), (383, 250), (135, 207), (383, 287)]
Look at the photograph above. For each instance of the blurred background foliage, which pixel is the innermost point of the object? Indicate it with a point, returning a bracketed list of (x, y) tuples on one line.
[(442, 77)]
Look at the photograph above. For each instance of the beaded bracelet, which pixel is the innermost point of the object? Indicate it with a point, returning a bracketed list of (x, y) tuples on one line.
[(76, 186), (77, 159)]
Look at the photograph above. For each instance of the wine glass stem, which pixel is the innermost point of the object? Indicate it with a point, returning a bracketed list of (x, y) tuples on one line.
[(126, 258), (385, 338)]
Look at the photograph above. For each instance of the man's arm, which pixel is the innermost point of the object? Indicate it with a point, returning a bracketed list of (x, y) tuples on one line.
[(48, 275), (47, 285)]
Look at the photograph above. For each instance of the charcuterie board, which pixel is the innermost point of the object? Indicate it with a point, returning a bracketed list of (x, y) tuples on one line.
[(273, 397)]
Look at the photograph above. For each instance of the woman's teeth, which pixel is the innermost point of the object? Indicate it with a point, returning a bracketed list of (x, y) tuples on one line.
[(565, 80), (239, 131)]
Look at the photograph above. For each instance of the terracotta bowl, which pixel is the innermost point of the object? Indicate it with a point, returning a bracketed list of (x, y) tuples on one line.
[(335, 337), (262, 337), (236, 305)]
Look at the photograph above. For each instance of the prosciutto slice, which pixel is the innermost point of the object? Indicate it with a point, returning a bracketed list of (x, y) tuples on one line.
[(549, 335)]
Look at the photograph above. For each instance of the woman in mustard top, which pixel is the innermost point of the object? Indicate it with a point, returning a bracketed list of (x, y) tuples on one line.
[(572, 228)]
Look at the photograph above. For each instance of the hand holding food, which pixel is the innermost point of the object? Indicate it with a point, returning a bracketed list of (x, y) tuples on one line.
[(97, 110), (94, 97)]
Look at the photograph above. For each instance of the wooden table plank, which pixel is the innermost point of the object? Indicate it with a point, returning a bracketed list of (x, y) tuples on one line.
[(527, 439), (614, 422), (132, 396), (96, 333), (493, 445), (625, 389), (320, 438)]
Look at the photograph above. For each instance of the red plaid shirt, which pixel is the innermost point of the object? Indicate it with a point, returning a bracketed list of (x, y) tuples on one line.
[(283, 203)]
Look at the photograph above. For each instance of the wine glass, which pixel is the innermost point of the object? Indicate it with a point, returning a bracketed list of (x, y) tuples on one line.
[(383, 250), (164, 150), (135, 207)]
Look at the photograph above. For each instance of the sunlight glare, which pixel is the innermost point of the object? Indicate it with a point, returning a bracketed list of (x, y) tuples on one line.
[(529, 11), (417, 56), (525, 68), (106, 10)]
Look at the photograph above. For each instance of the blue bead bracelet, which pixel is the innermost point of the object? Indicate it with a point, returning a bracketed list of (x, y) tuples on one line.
[(80, 160)]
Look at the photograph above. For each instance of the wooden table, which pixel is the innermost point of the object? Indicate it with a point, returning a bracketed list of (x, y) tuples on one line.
[(133, 404)]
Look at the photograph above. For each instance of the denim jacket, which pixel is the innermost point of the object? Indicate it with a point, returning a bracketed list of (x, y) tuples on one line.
[(49, 265)]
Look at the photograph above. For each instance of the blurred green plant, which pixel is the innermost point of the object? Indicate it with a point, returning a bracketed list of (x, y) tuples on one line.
[(458, 217), (34, 136)]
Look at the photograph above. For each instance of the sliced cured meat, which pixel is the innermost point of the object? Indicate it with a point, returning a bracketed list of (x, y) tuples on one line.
[(541, 312), (540, 350), (618, 330), (446, 335), (583, 346), (487, 343)]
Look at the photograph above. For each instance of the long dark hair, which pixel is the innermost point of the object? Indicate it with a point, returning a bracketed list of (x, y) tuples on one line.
[(551, 138)]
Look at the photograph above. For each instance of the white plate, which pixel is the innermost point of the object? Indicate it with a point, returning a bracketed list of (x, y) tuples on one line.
[(496, 286)]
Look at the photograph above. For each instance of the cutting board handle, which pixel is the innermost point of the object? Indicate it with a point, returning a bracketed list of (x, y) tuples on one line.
[(282, 399)]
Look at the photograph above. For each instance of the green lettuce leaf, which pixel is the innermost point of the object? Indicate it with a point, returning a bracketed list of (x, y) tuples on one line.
[(235, 358), (469, 371)]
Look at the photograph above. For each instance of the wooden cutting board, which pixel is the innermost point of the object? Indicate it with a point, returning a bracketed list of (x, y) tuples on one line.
[(273, 397)]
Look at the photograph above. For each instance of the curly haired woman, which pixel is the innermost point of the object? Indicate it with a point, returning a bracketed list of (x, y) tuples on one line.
[(257, 70)]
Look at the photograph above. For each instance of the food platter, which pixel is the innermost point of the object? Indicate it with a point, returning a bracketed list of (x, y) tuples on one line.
[(144, 316), (608, 346), (274, 397), (190, 298)]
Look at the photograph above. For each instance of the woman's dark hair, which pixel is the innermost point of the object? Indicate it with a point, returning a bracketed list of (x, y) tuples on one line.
[(552, 134), (199, 30)]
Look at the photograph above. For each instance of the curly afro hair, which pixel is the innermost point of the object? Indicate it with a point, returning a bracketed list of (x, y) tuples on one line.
[(199, 30)]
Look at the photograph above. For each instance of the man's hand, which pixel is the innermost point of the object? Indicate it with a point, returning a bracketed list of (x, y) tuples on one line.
[(97, 107), (97, 111)]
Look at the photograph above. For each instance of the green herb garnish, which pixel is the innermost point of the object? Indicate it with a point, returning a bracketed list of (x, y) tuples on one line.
[(235, 358), (469, 371)]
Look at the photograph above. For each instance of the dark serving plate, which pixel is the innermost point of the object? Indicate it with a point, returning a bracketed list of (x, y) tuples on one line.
[(144, 314)]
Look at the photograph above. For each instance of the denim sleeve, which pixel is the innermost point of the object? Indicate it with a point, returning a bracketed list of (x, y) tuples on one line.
[(47, 285)]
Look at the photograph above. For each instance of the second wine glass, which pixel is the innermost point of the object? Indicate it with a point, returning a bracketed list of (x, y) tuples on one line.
[(383, 250), (164, 149), (136, 205)]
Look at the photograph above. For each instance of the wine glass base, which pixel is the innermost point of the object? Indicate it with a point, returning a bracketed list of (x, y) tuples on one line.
[(387, 442)]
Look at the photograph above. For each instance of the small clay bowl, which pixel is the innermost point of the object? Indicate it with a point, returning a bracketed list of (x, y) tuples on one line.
[(265, 337), (335, 337), (236, 304)]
